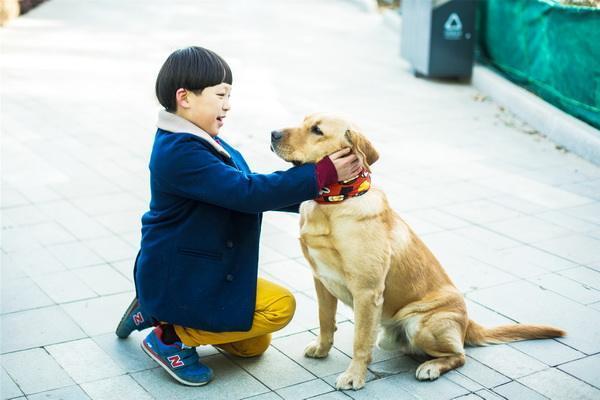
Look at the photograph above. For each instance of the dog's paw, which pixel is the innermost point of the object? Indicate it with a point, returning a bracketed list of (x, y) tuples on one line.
[(428, 371), (315, 350), (350, 380)]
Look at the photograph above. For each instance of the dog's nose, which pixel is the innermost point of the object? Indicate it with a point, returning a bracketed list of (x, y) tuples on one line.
[(276, 135)]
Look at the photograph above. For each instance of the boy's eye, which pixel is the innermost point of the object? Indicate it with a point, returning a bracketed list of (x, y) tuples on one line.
[(316, 130)]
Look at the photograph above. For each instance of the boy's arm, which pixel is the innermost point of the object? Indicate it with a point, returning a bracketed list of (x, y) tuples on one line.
[(195, 172)]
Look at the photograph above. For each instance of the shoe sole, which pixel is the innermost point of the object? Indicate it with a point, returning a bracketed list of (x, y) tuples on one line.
[(125, 316), (160, 362)]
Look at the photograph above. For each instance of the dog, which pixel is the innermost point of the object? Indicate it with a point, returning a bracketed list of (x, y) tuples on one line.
[(362, 253)]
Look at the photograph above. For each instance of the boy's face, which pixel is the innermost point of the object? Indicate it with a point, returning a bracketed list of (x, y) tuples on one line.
[(206, 110)]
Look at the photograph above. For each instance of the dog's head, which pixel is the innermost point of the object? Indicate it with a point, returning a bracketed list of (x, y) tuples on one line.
[(318, 136)]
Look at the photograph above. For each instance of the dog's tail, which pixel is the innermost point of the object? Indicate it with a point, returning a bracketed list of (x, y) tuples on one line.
[(477, 335)]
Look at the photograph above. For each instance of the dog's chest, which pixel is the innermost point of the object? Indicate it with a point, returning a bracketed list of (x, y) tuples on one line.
[(331, 276)]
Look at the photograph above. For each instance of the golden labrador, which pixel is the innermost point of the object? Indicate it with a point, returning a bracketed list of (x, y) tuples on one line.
[(362, 253)]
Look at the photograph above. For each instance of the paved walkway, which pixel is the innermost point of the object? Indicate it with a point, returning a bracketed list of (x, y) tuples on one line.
[(514, 220)]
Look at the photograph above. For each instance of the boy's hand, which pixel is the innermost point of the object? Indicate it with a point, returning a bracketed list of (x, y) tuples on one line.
[(346, 163)]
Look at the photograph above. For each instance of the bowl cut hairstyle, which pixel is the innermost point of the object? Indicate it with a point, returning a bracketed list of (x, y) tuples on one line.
[(193, 68)]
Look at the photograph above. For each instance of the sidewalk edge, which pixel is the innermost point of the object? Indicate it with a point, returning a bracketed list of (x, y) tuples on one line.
[(560, 127)]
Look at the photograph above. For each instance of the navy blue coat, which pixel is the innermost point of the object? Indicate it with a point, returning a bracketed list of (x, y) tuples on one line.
[(198, 262)]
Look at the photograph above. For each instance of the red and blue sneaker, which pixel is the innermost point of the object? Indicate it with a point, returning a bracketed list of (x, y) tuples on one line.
[(180, 361), (133, 320)]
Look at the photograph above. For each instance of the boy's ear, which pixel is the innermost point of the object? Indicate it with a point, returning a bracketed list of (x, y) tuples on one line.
[(362, 147), (181, 98)]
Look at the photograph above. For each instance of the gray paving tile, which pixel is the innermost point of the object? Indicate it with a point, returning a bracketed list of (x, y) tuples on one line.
[(557, 385), (482, 374), (440, 218), (104, 280), (549, 351), (9, 270), (573, 290), (118, 387), (470, 274), (127, 352), (470, 396), (305, 390), (485, 237), (481, 211), (577, 248), (43, 326), (9, 388), (230, 382), (274, 369), (12, 198), (64, 286), (489, 395), (528, 229), (565, 220), (583, 275), (390, 387), (75, 255), (526, 261), (125, 268), (585, 369), (305, 318), (393, 366), (84, 361), (588, 212), (504, 359), (35, 261), (103, 204), (463, 381), (99, 315), (35, 371), (121, 222), (515, 391), (293, 347), (292, 274), (111, 248), (22, 294), (534, 305), (265, 396), (331, 396), (67, 393), (75, 221), (22, 216)]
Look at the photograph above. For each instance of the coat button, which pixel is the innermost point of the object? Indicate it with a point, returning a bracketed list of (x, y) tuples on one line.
[(229, 277), (229, 244)]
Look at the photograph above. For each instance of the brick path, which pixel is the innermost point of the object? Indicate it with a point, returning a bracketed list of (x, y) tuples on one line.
[(515, 221)]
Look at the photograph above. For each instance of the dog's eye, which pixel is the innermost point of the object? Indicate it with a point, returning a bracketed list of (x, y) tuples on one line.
[(315, 129)]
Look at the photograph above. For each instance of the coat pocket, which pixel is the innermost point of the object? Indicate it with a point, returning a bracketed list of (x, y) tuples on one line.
[(198, 253)]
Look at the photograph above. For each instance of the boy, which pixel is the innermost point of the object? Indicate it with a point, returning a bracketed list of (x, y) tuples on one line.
[(196, 272)]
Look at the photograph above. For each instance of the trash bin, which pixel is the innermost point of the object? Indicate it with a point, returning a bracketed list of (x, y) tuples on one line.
[(438, 37)]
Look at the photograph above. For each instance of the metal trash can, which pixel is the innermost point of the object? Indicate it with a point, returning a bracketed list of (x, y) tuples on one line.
[(438, 37)]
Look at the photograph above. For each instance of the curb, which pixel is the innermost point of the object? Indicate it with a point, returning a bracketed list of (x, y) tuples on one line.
[(560, 127), (563, 129)]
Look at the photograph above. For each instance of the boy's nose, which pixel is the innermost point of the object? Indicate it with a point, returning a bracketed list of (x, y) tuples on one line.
[(276, 135)]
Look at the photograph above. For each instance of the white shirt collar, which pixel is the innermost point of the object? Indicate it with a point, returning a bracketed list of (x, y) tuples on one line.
[(174, 123)]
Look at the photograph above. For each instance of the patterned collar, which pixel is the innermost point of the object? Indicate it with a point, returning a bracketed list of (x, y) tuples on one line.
[(338, 192)]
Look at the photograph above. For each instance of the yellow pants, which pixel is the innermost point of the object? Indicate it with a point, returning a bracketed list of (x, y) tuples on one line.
[(275, 307)]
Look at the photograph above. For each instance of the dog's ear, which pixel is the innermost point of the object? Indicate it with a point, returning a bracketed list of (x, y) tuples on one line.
[(362, 147)]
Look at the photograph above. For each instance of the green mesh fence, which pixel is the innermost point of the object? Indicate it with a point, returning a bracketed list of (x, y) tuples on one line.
[(551, 49)]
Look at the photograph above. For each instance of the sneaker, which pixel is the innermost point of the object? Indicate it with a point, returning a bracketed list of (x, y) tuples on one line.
[(132, 320), (180, 361)]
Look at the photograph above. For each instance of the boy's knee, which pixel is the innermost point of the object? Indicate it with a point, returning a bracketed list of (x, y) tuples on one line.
[(248, 348), (283, 310)]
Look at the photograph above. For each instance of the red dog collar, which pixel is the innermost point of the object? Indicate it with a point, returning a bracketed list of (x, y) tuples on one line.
[(341, 191)]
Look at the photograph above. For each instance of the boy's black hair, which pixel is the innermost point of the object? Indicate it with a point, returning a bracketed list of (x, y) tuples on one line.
[(193, 68)]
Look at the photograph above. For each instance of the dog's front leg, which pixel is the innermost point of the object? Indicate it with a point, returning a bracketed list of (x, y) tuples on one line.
[(367, 313), (327, 309)]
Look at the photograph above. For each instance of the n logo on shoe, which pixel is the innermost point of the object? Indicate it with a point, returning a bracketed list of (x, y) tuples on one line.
[(138, 318), (175, 361)]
